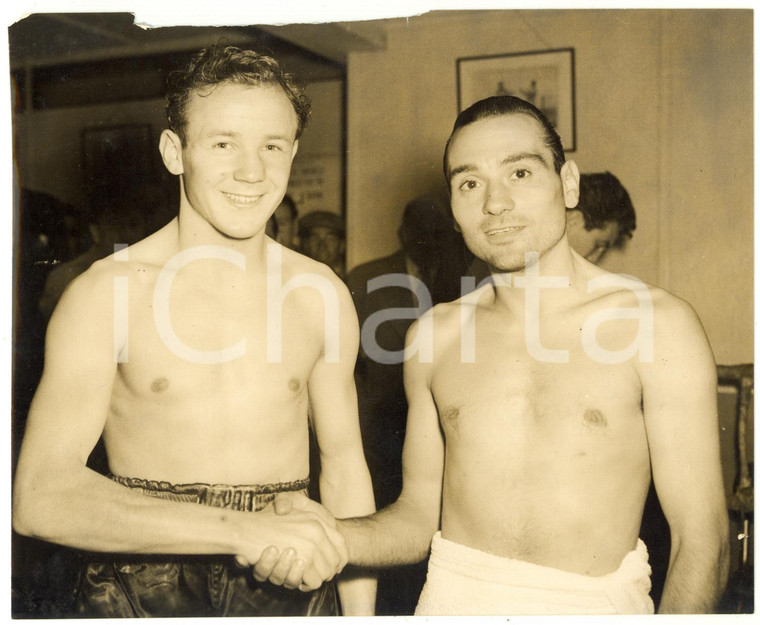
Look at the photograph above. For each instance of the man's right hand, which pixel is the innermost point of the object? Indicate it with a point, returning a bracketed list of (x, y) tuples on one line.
[(305, 549)]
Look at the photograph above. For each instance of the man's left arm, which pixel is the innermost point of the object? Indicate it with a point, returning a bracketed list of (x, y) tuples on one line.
[(344, 481), (680, 412)]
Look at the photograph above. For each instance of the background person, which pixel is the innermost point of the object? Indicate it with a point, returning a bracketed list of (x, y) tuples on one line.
[(604, 218), (286, 216), (49, 232), (114, 221), (322, 236), (431, 252)]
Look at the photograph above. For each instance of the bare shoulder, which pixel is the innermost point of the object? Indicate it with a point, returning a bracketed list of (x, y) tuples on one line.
[(670, 311), (294, 262), (678, 331), (607, 288), (670, 308), (318, 301), (444, 321), (611, 289), (92, 288), (307, 272), (83, 317), (91, 293), (451, 315), (667, 324)]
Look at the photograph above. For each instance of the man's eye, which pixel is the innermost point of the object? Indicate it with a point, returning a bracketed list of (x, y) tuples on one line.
[(520, 174), (222, 145), (273, 148), (468, 185)]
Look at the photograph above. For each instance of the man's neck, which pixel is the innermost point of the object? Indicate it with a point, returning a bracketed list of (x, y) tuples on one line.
[(556, 279), (194, 231)]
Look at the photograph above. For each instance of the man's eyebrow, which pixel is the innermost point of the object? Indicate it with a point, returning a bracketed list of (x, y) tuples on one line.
[(219, 132), (512, 158), (286, 138), (461, 169), (525, 156)]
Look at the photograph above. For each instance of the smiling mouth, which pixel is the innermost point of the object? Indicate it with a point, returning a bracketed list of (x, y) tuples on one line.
[(241, 199), (505, 230)]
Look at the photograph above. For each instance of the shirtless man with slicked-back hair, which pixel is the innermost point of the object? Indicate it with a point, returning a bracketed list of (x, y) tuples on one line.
[(546, 403)]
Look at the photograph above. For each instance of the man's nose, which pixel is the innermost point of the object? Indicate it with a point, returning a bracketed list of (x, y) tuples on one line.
[(250, 167), (498, 199)]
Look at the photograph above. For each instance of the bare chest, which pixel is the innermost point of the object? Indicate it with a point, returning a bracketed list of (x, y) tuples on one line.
[(518, 396), (213, 345)]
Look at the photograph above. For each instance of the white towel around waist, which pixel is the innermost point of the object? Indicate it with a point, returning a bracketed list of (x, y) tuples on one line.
[(466, 581)]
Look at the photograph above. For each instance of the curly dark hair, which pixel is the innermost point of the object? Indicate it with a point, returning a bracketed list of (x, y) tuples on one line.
[(604, 199), (225, 64)]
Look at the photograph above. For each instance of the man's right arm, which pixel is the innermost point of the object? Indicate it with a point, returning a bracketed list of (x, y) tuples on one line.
[(58, 499), (401, 533)]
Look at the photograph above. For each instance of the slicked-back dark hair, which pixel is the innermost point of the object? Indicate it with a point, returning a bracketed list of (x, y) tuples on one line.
[(502, 105), (222, 64)]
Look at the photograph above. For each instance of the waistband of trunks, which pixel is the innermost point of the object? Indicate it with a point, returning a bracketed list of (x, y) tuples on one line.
[(246, 498)]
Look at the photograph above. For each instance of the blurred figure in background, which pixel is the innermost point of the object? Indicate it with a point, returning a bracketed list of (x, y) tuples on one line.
[(271, 228), (604, 218), (118, 222), (322, 236), (48, 232), (384, 292), (286, 218)]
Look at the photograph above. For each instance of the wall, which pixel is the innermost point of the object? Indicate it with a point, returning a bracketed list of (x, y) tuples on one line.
[(49, 154), (663, 100), (708, 210)]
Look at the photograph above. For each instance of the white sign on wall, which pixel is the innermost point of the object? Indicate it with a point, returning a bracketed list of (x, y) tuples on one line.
[(316, 183)]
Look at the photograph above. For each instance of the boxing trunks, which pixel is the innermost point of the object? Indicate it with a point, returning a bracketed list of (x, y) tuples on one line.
[(121, 585)]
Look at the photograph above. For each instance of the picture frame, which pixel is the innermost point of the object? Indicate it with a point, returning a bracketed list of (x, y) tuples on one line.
[(546, 78)]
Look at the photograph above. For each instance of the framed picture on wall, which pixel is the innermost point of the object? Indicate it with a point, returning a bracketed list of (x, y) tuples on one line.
[(544, 78)]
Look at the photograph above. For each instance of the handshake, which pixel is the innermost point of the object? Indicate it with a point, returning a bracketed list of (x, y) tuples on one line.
[(305, 547)]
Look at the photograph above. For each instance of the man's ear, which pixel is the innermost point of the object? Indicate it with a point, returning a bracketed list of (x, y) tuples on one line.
[(570, 183), (170, 147), (295, 150)]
